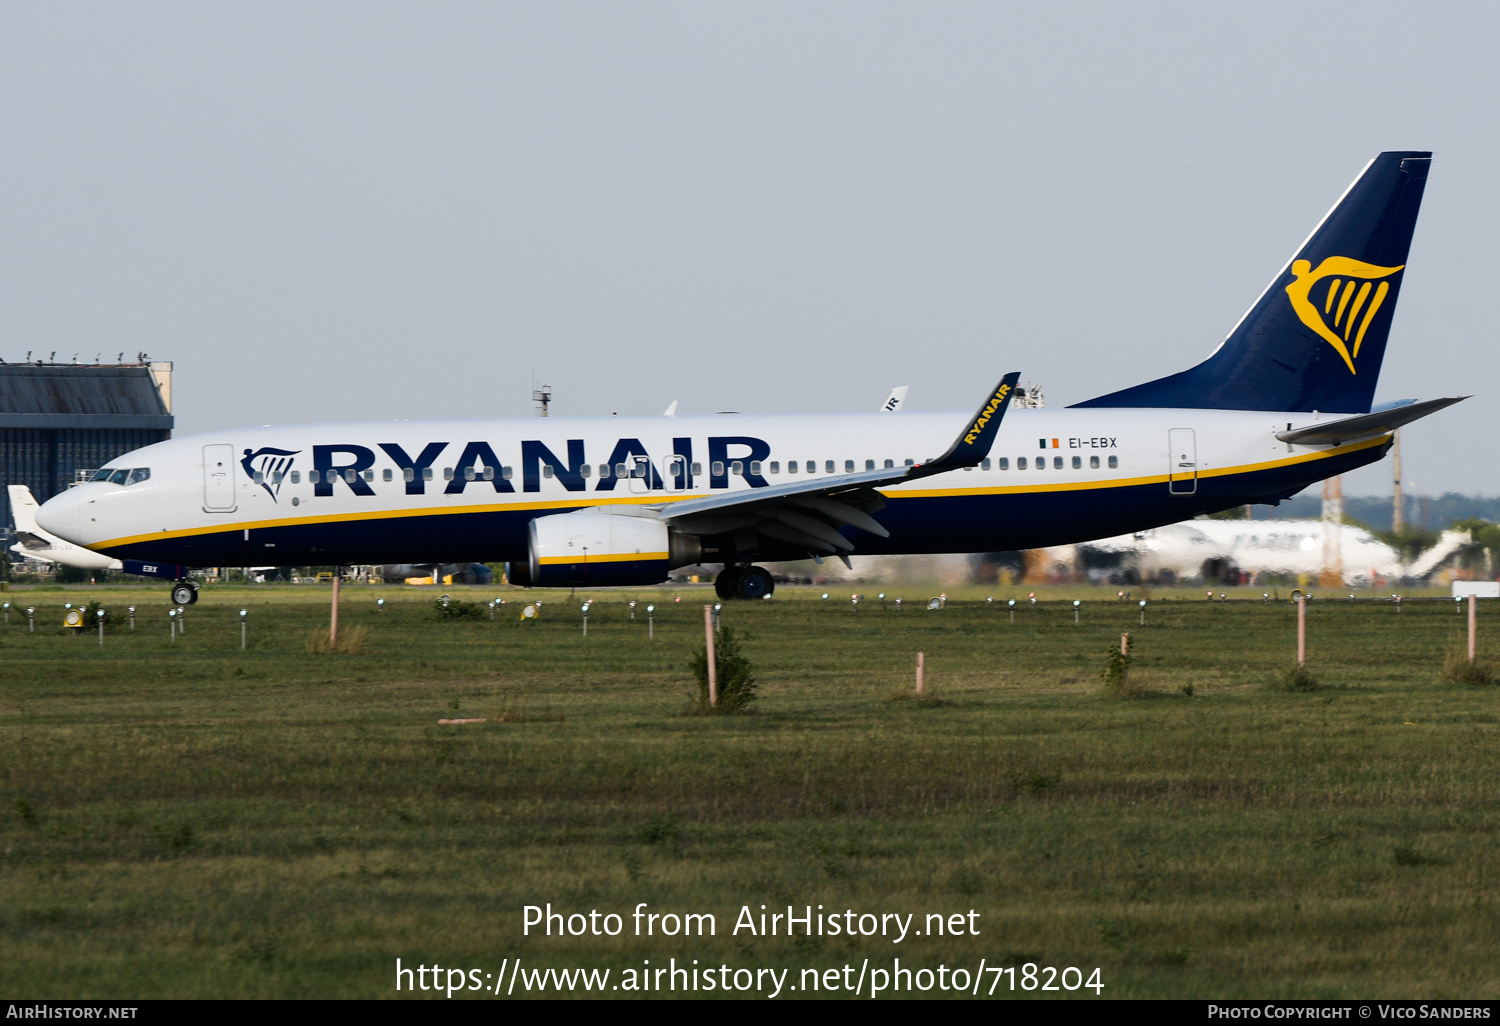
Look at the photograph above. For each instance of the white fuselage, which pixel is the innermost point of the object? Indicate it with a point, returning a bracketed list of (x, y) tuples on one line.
[(248, 497)]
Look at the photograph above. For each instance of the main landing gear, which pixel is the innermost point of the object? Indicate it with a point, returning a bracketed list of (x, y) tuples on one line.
[(184, 593), (744, 582)]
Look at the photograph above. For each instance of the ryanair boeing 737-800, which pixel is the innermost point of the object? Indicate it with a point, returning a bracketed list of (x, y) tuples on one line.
[(1285, 400)]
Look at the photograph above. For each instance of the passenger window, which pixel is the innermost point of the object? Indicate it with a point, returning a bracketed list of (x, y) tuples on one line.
[(505, 472), (775, 467), (1004, 462), (349, 475), (828, 467), (755, 467), (984, 464), (1057, 463), (737, 467), (489, 473), (369, 475), (697, 470), (869, 464), (791, 466), (546, 471), (848, 466), (313, 477), (718, 468), (275, 478), (621, 471), (407, 474), (118, 476), (1077, 462), (1093, 463), (910, 463), (259, 476), (639, 470), (447, 473), (1021, 463), (1114, 462), (585, 471), (385, 475), (604, 471), (297, 476), (427, 474), (889, 464), (812, 466), (1041, 463)]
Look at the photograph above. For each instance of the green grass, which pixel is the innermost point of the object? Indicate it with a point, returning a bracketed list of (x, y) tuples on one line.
[(183, 819)]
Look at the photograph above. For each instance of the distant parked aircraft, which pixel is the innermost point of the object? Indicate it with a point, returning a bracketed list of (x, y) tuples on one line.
[(35, 543)]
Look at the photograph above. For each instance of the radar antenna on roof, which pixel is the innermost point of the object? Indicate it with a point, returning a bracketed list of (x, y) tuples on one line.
[(1028, 398), (541, 396)]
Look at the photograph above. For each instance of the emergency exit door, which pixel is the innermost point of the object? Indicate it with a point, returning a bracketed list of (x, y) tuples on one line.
[(1182, 456), (218, 479)]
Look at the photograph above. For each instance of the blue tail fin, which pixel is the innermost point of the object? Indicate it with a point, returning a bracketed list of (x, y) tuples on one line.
[(1316, 337)]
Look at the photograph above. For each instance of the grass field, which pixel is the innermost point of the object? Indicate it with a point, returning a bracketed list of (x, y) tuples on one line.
[(184, 819)]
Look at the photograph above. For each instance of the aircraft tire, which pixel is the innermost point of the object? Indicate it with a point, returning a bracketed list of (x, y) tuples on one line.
[(184, 593), (754, 583), (726, 585)]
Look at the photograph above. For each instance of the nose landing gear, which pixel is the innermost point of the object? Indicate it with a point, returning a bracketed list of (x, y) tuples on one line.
[(184, 593), (744, 582)]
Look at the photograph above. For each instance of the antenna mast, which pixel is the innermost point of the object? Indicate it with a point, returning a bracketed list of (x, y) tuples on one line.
[(541, 396)]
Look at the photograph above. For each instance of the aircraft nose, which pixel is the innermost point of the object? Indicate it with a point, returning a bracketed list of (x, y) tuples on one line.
[(61, 515)]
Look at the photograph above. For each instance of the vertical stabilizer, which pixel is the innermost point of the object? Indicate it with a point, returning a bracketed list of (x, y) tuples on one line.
[(23, 506), (1315, 338)]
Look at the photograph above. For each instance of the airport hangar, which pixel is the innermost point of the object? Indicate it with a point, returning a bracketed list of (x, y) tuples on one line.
[(60, 419)]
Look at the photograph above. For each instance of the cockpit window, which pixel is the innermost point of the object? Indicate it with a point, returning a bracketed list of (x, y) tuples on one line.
[(124, 476)]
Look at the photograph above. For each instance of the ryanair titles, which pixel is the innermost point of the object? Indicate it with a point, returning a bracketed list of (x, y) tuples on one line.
[(477, 464), (996, 401)]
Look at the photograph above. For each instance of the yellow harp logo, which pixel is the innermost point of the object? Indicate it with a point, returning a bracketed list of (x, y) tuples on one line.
[(1347, 296)]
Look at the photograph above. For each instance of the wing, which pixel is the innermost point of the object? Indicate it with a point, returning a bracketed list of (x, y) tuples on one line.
[(809, 515)]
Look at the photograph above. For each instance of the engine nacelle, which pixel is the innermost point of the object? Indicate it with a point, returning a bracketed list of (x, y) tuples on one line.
[(594, 547)]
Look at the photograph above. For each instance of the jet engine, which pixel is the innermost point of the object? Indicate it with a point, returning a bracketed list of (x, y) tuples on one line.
[(597, 547)]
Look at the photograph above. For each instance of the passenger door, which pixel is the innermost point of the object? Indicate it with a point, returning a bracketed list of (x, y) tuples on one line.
[(218, 479), (1182, 465)]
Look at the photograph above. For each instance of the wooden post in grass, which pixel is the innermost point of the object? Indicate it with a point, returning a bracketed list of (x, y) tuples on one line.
[(1473, 601), (921, 667), (1301, 629), (1125, 660), (333, 620), (713, 662)]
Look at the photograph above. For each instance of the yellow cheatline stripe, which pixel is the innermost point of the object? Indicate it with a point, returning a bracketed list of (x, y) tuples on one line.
[(1128, 482), (653, 500), (624, 557), (389, 514)]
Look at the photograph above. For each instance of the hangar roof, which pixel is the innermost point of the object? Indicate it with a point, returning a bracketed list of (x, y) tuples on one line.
[(69, 396)]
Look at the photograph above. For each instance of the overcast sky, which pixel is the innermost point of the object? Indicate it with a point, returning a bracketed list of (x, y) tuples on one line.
[(332, 211)]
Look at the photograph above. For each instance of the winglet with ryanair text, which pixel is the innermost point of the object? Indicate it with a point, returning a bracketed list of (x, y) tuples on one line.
[(968, 450), (973, 445)]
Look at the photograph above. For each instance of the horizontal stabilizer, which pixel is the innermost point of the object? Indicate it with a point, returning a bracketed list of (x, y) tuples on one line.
[(1337, 432)]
